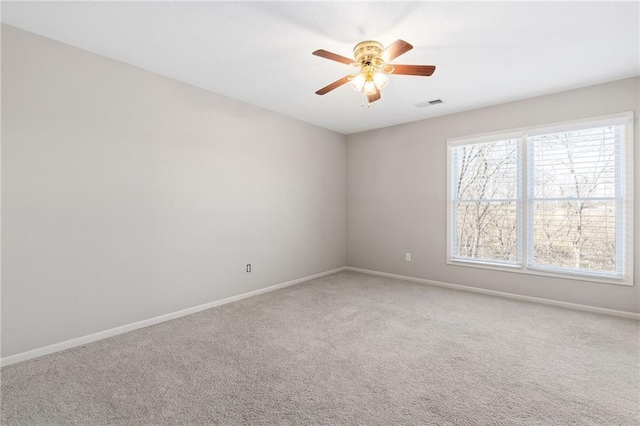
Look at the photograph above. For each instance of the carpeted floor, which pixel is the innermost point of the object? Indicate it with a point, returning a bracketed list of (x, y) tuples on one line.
[(349, 349)]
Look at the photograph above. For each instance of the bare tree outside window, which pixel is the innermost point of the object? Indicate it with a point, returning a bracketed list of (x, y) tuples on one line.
[(574, 199), (486, 190)]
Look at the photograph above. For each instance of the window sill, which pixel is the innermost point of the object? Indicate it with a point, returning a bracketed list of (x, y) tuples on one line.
[(518, 269)]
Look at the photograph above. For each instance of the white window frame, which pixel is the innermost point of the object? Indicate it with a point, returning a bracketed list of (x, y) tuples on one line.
[(523, 228)]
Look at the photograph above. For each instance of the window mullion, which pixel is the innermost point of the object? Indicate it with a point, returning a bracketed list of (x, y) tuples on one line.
[(524, 185)]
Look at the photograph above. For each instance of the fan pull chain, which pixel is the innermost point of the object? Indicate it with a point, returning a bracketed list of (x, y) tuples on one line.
[(363, 98)]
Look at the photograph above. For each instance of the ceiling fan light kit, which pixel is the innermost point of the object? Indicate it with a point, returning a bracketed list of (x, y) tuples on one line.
[(371, 59)]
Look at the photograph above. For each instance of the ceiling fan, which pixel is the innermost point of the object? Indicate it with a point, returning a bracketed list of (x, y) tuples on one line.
[(372, 60)]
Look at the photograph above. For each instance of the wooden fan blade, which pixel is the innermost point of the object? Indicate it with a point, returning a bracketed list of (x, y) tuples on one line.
[(374, 97), (423, 70), (333, 85), (395, 49), (333, 56)]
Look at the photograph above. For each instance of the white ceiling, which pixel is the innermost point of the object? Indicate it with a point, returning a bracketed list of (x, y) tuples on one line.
[(260, 53)]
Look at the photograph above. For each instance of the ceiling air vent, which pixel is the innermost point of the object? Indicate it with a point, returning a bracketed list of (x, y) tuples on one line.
[(427, 103)]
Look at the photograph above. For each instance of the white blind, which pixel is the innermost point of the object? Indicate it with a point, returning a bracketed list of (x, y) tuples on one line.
[(576, 191), (485, 207)]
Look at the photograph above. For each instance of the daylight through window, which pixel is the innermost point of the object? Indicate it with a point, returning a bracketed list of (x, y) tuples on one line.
[(552, 200)]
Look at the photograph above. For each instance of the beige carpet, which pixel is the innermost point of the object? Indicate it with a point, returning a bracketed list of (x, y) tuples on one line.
[(345, 349)]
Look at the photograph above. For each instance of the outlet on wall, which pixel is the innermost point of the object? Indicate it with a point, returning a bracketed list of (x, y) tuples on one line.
[(407, 257), (248, 267)]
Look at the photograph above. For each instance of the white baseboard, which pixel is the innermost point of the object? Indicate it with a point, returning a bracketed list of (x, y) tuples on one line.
[(79, 341), (574, 306)]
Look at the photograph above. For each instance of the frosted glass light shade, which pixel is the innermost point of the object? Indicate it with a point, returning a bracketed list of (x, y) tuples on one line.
[(358, 82), (369, 88), (380, 80)]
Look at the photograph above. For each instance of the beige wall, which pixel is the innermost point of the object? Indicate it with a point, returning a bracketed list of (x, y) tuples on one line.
[(127, 195), (397, 194)]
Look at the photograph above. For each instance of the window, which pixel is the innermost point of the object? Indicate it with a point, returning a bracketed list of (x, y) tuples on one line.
[(553, 200)]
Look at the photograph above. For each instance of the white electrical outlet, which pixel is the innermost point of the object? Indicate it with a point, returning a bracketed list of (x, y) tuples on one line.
[(407, 257)]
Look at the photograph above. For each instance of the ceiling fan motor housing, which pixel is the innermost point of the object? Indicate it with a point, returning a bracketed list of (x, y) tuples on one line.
[(368, 52)]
